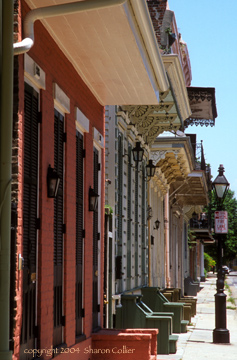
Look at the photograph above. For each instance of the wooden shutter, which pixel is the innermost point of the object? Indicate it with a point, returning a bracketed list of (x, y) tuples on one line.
[(95, 309), (30, 177), (58, 228), (129, 218), (30, 199), (120, 189), (144, 225), (79, 231), (136, 226)]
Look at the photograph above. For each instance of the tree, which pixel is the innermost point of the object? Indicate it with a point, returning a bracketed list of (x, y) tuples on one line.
[(230, 240)]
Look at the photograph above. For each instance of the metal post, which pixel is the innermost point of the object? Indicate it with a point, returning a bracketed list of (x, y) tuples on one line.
[(6, 105), (220, 333)]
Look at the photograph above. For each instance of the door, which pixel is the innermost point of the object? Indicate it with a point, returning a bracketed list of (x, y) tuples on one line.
[(30, 203)]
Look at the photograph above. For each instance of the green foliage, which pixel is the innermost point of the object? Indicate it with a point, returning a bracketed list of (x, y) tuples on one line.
[(209, 262), (229, 240), (191, 238), (108, 210)]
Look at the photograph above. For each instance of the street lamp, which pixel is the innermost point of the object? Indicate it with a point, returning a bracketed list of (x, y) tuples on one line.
[(220, 333), (221, 185)]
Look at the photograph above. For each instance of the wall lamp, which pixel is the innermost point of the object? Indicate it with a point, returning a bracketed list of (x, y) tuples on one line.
[(150, 169), (157, 225), (93, 200), (53, 181), (137, 152), (149, 212)]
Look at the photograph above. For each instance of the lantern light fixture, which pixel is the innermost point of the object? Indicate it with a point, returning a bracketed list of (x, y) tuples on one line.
[(150, 169), (137, 152), (220, 184), (93, 200), (53, 181), (157, 225)]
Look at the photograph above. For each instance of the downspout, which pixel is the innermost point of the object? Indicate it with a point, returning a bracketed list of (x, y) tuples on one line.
[(6, 109), (57, 10), (167, 240)]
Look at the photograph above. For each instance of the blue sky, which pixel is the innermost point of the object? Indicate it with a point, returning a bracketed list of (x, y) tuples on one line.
[(208, 27)]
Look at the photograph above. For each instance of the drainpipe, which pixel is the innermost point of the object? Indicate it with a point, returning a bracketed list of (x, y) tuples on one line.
[(167, 240), (57, 10), (6, 111)]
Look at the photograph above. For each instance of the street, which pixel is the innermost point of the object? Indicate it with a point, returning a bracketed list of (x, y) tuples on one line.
[(197, 343)]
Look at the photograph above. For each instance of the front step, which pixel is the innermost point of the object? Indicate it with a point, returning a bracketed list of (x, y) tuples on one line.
[(173, 343), (184, 324)]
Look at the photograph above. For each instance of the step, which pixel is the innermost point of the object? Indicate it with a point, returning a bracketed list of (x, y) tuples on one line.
[(173, 343), (184, 324)]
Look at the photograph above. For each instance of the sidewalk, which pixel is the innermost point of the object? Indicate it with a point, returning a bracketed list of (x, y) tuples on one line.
[(197, 343)]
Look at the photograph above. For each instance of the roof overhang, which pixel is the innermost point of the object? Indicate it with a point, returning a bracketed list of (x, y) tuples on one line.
[(152, 120), (176, 76), (203, 235), (192, 192), (114, 50), (174, 159), (203, 106)]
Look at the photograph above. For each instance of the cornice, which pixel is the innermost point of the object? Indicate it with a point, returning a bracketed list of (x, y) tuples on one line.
[(152, 120), (175, 72), (143, 18)]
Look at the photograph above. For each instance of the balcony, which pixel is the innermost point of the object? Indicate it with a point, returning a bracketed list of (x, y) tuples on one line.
[(200, 226)]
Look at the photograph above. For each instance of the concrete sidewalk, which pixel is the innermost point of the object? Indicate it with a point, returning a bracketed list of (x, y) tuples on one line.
[(197, 343)]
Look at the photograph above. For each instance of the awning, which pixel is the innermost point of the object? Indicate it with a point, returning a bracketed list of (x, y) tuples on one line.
[(203, 235), (113, 49), (203, 106), (152, 120), (194, 191), (174, 159)]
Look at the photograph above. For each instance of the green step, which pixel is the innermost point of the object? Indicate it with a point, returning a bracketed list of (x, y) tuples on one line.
[(184, 324), (173, 343)]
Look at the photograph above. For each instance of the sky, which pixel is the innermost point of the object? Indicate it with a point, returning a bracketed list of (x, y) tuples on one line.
[(208, 27)]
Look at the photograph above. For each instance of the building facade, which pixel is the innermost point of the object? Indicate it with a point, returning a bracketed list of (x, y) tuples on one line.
[(82, 109), (62, 82)]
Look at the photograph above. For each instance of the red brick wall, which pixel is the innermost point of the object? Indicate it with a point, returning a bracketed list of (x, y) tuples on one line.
[(157, 11), (59, 70), (17, 174)]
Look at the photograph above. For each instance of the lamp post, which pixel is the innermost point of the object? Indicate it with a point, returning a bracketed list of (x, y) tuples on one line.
[(220, 333)]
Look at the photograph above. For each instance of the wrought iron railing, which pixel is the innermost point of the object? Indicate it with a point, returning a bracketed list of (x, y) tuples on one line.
[(200, 221)]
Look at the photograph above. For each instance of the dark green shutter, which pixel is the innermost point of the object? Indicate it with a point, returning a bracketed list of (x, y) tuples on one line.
[(58, 227), (30, 199), (144, 242), (95, 306), (136, 226), (79, 231), (30, 177), (129, 218), (120, 189)]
